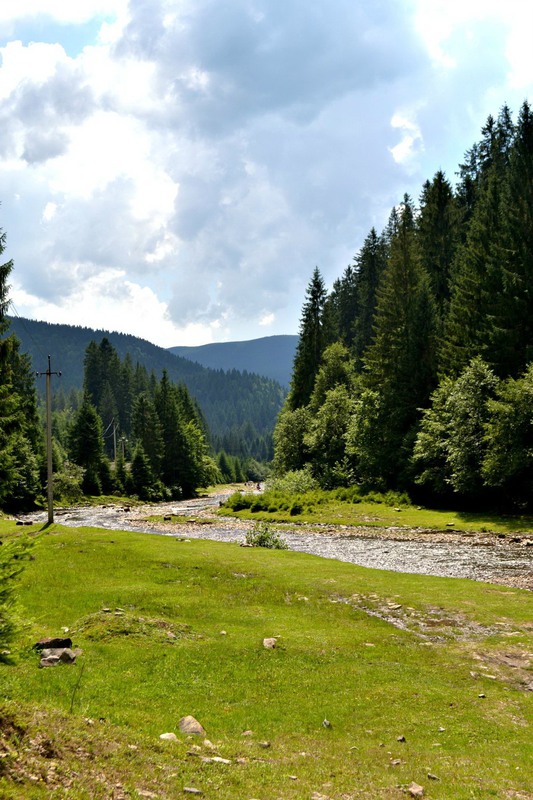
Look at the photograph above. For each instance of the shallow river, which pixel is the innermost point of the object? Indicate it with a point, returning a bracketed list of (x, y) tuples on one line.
[(492, 560)]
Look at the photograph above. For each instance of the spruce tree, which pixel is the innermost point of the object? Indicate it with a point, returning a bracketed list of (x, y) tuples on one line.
[(437, 235), (310, 345), (370, 264), (400, 363), (511, 335)]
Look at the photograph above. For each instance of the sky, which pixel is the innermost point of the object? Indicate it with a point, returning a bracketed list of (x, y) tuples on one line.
[(176, 169)]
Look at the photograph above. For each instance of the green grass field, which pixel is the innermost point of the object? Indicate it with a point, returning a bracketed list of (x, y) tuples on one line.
[(332, 508), (422, 679)]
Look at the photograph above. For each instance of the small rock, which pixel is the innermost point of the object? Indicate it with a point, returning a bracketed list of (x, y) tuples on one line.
[(450, 524), (247, 733), (270, 643), (482, 695), (223, 633), (189, 724), (401, 739), (191, 790), (52, 642), (415, 790), (208, 744), (264, 745), (170, 737), (51, 661), (327, 724), (432, 777), (293, 777), (219, 760)]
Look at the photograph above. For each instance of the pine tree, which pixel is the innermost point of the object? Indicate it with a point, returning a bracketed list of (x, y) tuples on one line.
[(370, 264), (87, 445), (400, 363), (437, 235), (511, 335), (310, 345)]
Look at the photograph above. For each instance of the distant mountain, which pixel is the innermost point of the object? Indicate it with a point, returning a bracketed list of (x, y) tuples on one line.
[(230, 400), (271, 356)]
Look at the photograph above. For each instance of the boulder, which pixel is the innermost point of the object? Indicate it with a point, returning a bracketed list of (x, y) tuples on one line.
[(52, 642), (189, 724)]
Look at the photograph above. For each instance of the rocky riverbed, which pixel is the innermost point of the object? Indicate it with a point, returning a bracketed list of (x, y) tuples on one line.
[(479, 556)]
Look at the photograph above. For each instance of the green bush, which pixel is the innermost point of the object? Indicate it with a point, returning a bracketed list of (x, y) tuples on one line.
[(262, 535), (294, 482)]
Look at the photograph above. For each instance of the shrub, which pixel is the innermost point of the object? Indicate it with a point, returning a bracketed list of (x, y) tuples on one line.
[(262, 535), (294, 482)]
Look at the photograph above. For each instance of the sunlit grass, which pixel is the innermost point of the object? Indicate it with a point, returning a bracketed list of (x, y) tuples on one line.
[(321, 507), (341, 654)]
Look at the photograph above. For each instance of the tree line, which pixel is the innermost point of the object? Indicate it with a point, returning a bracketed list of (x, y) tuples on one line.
[(416, 370), (240, 408)]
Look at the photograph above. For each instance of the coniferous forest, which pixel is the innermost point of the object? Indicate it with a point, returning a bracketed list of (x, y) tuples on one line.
[(416, 371)]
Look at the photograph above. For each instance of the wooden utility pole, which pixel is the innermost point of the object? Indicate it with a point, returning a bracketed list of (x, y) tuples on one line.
[(49, 471)]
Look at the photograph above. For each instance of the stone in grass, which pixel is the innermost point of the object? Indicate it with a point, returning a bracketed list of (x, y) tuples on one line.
[(52, 642), (169, 737), (415, 790), (191, 790), (189, 724), (270, 642)]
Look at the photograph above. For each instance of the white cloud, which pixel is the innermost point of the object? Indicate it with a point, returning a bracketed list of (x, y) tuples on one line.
[(195, 160), (109, 301), (267, 320)]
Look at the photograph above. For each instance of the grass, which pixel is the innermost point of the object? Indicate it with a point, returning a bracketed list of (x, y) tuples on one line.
[(322, 507), (441, 663)]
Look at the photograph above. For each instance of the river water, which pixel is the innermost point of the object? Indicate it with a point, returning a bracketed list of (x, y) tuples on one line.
[(483, 558)]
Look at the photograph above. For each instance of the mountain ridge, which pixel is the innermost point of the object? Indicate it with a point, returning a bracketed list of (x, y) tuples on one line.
[(270, 356), (229, 400)]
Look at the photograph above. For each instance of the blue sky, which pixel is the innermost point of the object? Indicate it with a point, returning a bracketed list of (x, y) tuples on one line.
[(176, 169)]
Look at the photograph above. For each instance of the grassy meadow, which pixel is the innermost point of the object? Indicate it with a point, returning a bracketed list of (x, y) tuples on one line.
[(422, 680), (349, 507)]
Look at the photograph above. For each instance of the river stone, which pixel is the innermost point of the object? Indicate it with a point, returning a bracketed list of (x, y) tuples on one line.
[(50, 661), (189, 724), (64, 654), (270, 643), (52, 642)]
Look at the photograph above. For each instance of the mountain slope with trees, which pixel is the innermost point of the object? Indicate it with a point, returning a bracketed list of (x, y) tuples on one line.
[(270, 356), (415, 371), (240, 408)]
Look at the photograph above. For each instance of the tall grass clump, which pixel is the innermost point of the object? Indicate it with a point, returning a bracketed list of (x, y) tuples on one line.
[(262, 535)]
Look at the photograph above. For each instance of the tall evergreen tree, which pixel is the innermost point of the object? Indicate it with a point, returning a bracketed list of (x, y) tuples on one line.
[(370, 264), (511, 335), (310, 345), (400, 363), (438, 234)]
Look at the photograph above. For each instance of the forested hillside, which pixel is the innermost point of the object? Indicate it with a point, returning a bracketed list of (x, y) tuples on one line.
[(240, 408), (270, 356), (415, 372)]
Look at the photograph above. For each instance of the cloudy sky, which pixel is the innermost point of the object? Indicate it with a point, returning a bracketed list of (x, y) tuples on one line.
[(176, 169)]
